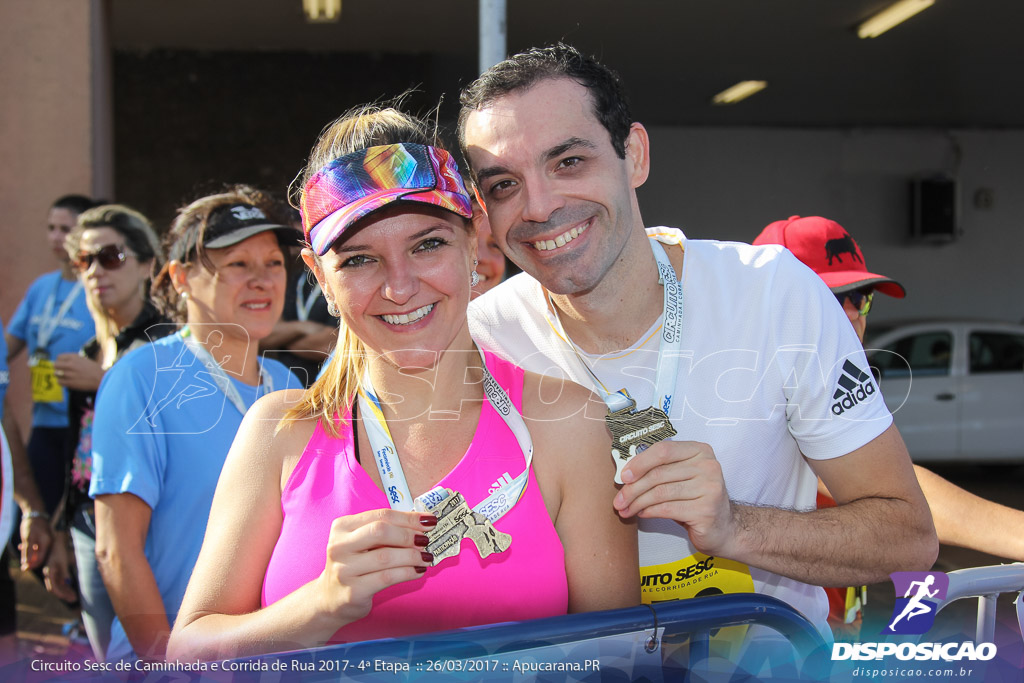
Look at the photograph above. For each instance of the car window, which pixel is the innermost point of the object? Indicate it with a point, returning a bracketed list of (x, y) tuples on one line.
[(926, 354), (996, 352)]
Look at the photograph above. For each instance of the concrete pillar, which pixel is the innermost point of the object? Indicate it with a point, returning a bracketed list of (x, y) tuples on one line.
[(492, 33), (55, 135)]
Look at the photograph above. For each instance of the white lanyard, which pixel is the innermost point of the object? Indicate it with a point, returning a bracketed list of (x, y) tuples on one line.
[(304, 305), (669, 347), (220, 377), (49, 321), (389, 465)]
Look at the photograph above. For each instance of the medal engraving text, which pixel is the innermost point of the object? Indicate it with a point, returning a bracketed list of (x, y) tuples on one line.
[(635, 430), (456, 520)]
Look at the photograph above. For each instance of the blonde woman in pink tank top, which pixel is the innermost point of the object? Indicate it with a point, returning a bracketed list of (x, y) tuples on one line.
[(305, 544)]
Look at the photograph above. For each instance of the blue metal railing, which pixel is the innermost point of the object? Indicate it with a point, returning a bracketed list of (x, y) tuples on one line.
[(985, 583), (621, 639)]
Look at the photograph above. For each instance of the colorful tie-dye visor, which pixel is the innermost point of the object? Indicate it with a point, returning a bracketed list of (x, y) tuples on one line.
[(351, 187)]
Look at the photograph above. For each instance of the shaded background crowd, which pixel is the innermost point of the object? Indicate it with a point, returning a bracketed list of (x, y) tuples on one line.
[(75, 322)]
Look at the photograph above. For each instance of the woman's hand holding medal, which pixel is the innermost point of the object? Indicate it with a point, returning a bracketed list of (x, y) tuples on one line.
[(682, 481), (368, 552)]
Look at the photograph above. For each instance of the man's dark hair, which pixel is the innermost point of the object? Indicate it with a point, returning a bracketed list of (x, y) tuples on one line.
[(526, 69), (75, 203)]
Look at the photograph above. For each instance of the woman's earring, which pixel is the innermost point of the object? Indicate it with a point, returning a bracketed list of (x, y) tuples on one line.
[(474, 278), (332, 308), (184, 296)]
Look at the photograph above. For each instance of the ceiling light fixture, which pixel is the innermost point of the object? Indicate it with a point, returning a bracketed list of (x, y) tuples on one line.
[(322, 11), (740, 91), (891, 16)]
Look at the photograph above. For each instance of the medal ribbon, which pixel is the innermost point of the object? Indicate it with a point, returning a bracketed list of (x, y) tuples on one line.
[(304, 304), (49, 323), (392, 477), (668, 349), (220, 377)]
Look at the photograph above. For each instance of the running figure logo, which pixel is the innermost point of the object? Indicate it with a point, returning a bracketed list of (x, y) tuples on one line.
[(914, 613)]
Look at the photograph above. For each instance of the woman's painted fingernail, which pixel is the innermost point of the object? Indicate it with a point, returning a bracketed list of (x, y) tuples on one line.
[(420, 570), (428, 520), (427, 557), (421, 540)]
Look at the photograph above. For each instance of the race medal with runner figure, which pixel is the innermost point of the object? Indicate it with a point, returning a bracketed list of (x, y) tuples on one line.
[(455, 521), (633, 431)]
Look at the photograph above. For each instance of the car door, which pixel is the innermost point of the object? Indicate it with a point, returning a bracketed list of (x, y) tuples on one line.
[(920, 389), (993, 396)]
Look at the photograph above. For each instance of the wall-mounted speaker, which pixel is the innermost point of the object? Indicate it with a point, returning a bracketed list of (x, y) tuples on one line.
[(934, 209)]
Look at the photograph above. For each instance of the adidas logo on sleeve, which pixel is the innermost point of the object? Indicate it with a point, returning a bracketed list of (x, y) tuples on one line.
[(854, 386)]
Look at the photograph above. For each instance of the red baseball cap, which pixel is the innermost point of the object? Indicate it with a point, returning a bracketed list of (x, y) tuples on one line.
[(829, 251)]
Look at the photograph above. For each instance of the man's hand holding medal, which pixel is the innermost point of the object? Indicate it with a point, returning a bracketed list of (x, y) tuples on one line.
[(682, 481)]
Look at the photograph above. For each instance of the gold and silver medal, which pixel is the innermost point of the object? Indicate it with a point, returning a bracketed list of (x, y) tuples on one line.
[(455, 519), (633, 431)]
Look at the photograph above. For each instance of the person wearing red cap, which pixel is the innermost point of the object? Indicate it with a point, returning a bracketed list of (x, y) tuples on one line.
[(825, 247), (830, 251)]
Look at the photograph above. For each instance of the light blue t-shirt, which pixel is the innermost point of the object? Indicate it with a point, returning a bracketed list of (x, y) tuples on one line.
[(6, 488), (162, 432), (5, 375), (72, 331)]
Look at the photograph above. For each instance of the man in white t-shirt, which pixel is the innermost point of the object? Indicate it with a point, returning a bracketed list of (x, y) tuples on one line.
[(771, 386)]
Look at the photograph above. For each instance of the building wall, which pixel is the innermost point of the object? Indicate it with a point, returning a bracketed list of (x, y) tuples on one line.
[(186, 122), (46, 133), (189, 122), (728, 183)]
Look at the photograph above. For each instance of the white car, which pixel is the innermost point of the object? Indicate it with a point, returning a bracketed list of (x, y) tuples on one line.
[(955, 387)]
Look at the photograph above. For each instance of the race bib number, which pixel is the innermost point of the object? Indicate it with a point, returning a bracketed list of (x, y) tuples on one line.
[(694, 576), (45, 388), (699, 576)]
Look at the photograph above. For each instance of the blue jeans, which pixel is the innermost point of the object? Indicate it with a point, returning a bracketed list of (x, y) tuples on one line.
[(97, 611)]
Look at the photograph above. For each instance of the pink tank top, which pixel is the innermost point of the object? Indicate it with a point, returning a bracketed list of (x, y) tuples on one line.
[(527, 581)]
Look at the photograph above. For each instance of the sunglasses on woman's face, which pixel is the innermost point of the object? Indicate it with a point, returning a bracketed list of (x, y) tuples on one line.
[(110, 257), (860, 299)]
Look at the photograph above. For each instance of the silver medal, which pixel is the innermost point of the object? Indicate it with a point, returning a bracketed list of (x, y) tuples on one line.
[(633, 431), (455, 521)]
